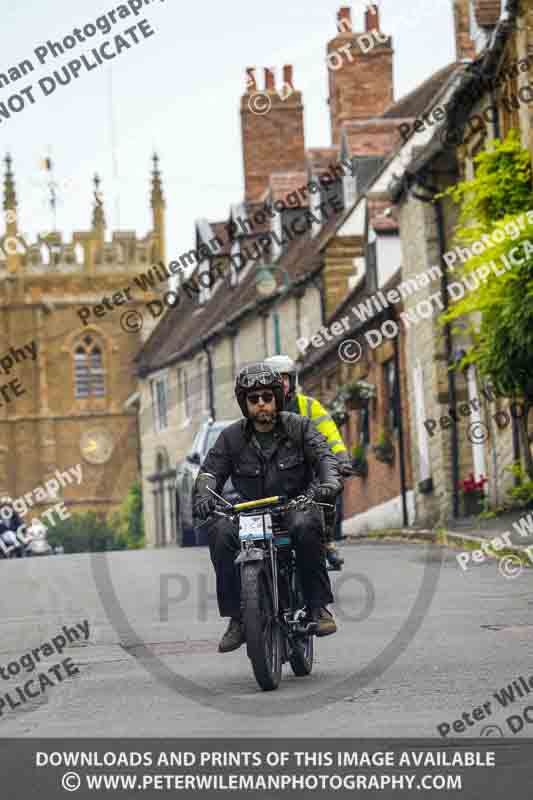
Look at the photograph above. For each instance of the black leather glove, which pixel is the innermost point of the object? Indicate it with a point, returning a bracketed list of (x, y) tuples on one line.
[(325, 492), (205, 507), (346, 469)]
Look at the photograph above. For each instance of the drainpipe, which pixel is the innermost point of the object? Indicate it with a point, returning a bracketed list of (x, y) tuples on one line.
[(401, 443), (452, 393), (318, 283), (210, 388)]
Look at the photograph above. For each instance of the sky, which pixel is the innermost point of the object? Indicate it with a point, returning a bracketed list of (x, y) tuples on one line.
[(178, 92)]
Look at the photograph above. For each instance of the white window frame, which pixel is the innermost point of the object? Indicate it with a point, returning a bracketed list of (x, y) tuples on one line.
[(159, 391), (184, 395), (203, 383)]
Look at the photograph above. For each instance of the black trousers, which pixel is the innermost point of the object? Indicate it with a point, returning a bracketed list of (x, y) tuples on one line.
[(306, 530)]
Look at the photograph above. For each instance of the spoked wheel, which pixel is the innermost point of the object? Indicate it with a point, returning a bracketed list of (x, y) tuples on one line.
[(263, 632), (303, 648)]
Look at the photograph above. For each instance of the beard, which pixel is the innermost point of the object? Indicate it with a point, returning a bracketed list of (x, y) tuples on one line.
[(263, 417)]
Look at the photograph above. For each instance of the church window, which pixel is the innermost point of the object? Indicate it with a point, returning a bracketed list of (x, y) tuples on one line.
[(89, 374)]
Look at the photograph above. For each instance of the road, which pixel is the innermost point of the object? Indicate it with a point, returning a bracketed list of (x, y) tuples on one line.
[(403, 661)]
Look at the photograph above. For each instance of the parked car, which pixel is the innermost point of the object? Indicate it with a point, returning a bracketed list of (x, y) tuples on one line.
[(189, 530)]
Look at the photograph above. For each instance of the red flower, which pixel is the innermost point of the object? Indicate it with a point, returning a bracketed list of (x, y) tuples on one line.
[(471, 485)]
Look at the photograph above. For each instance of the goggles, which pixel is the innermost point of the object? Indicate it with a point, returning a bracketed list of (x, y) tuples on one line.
[(257, 379)]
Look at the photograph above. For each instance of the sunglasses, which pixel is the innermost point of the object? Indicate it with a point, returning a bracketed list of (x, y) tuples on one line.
[(255, 398)]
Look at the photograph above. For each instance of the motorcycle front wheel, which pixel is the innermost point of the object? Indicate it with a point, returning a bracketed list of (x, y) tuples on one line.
[(303, 650), (262, 630)]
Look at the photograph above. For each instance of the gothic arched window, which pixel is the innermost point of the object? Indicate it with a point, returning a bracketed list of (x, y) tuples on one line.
[(89, 369)]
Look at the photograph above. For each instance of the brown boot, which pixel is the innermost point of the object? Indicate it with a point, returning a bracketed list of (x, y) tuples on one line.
[(233, 637), (326, 623)]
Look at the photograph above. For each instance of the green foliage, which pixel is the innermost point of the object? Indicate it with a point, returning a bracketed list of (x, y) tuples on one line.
[(83, 533), (337, 410), (358, 453), (358, 391), (384, 448), (501, 187), (502, 331), (384, 440), (128, 522), (522, 495), (90, 533)]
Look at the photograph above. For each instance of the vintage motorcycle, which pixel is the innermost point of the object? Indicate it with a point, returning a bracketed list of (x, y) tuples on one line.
[(276, 623)]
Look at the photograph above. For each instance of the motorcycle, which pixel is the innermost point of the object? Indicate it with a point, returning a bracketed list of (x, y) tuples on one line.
[(276, 623), (10, 548)]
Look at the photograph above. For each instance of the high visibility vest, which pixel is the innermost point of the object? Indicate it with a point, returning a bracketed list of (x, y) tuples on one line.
[(309, 407)]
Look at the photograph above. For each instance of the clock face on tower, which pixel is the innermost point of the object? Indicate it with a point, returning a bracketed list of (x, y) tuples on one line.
[(96, 446)]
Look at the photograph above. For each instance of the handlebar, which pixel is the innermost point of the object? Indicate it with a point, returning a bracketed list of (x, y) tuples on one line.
[(281, 503)]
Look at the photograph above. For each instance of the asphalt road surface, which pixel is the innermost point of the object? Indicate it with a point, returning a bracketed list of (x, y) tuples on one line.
[(419, 643)]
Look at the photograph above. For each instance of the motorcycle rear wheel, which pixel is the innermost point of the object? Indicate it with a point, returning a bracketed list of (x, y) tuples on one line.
[(263, 632)]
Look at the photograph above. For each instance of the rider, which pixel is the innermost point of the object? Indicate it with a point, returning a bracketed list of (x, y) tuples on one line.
[(10, 524), (310, 407), (268, 453)]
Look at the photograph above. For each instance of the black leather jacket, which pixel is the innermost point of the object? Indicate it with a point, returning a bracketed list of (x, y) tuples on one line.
[(12, 524), (299, 453)]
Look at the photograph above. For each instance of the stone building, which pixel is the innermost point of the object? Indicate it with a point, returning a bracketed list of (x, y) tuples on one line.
[(440, 416), (466, 437), (70, 403)]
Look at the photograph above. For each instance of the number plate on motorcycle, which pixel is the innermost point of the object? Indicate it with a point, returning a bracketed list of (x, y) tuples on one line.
[(252, 527)]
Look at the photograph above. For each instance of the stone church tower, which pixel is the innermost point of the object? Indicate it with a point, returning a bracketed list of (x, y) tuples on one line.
[(66, 377)]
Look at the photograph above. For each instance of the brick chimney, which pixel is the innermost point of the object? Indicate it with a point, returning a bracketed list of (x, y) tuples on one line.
[(360, 78), (272, 130), (464, 46)]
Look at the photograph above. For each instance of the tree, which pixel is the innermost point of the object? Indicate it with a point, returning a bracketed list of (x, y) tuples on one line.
[(128, 522), (498, 199)]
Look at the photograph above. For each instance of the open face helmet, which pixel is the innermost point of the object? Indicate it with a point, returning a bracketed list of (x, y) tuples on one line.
[(285, 366), (258, 376)]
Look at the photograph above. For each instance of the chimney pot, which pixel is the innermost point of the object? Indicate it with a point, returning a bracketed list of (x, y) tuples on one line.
[(372, 17), (270, 81), (251, 85), (344, 19), (287, 74)]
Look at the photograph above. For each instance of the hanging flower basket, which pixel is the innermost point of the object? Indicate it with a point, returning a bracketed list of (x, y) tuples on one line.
[(473, 495), (358, 394), (337, 410), (384, 449), (359, 462)]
